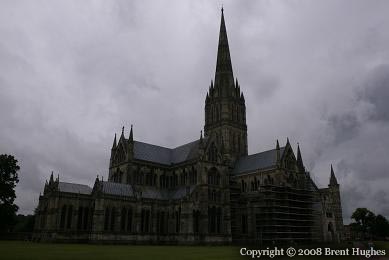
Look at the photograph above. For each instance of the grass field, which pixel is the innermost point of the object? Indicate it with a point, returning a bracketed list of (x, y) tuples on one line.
[(382, 245), (27, 250)]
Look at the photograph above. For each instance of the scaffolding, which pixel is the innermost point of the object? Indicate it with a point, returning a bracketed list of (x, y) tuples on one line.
[(276, 214)]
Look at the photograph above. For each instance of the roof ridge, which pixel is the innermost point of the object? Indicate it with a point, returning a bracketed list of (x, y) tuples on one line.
[(282, 147), (74, 183), (185, 144), (173, 148), (117, 183), (153, 145)]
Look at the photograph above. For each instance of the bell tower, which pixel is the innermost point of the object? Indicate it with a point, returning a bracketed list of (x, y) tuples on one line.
[(225, 109)]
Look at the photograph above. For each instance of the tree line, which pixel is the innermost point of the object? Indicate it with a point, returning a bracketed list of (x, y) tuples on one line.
[(368, 225)]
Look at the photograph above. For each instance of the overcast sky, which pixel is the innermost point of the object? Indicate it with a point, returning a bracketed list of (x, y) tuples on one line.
[(72, 73)]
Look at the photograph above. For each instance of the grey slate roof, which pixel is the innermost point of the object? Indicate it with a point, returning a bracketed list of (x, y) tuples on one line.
[(257, 161), (147, 192), (114, 188), (181, 192), (164, 194), (74, 188), (163, 155)]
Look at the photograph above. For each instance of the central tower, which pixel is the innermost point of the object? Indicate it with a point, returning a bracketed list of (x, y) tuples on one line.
[(225, 109)]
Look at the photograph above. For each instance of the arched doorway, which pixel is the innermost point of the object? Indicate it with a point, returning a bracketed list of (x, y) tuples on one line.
[(331, 232)]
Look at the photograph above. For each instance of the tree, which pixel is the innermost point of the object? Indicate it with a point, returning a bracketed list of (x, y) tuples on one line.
[(364, 219), (24, 223), (8, 179), (367, 223), (380, 227)]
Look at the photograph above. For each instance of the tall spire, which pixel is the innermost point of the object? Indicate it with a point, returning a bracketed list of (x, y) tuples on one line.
[(333, 180), (223, 77), (225, 109)]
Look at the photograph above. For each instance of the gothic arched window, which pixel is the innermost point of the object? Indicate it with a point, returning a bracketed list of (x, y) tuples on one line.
[(123, 218), (106, 219), (212, 153)]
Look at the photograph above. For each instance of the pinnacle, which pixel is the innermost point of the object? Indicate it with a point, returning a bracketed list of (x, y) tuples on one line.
[(333, 180), (131, 137)]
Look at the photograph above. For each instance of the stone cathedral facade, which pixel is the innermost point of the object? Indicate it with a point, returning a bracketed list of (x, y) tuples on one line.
[(209, 191)]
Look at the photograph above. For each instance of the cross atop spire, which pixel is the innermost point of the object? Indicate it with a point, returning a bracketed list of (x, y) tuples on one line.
[(224, 76)]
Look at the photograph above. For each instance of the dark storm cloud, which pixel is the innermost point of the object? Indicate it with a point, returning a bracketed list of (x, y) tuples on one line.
[(376, 92), (73, 73), (346, 127)]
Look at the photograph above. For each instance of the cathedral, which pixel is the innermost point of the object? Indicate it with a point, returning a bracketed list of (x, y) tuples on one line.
[(208, 191)]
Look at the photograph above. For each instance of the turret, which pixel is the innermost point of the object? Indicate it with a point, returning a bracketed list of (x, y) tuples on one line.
[(131, 137), (114, 143), (278, 153), (130, 145), (333, 180), (122, 135), (300, 164), (51, 178)]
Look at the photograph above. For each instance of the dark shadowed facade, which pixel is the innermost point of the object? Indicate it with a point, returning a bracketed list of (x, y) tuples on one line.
[(207, 191)]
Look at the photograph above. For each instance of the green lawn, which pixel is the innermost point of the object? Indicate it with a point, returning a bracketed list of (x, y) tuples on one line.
[(29, 250), (383, 245)]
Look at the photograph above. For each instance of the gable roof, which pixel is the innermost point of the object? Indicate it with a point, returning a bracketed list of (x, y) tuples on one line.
[(74, 188), (163, 155), (115, 188), (148, 192), (262, 160)]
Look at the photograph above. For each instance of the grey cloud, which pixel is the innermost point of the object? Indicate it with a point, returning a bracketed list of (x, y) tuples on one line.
[(376, 92), (345, 126)]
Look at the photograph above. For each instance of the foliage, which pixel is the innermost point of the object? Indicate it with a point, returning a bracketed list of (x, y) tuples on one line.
[(369, 225), (24, 223), (380, 227), (8, 179)]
